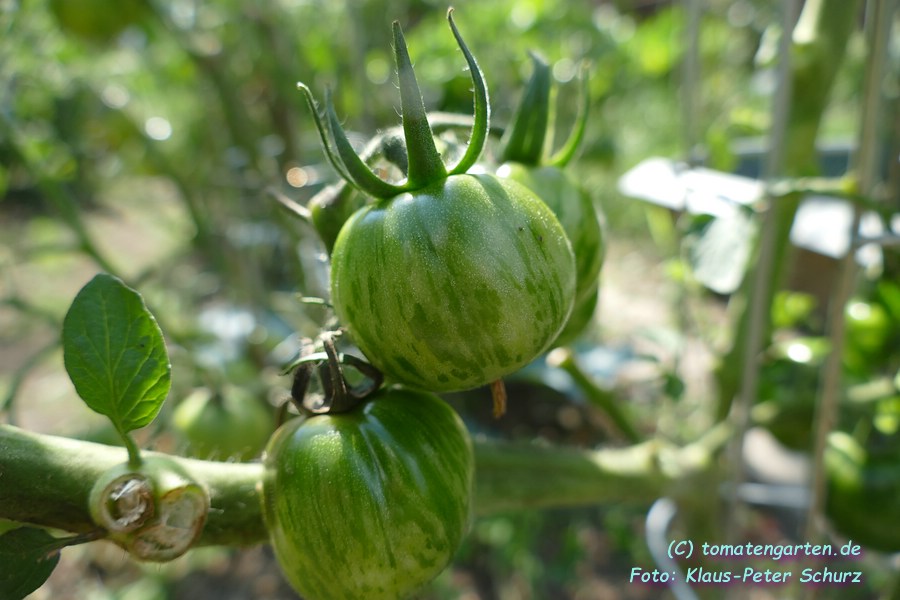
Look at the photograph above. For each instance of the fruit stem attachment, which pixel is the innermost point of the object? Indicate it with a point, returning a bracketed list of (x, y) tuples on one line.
[(337, 394), (423, 162), (498, 394), (524, 140)]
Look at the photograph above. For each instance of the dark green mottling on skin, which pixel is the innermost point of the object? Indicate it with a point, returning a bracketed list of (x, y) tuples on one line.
[(370, 504), (454, 295), (576, 213)]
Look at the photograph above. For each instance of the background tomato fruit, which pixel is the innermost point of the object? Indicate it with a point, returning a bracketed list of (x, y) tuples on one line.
[(371, 503), (231, 425), (576, 213)]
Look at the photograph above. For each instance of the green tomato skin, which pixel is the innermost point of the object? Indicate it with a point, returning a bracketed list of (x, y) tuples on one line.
[(455, 285), (578, 321), (331, 208), (370, 504), (233, 427), (576, 212)]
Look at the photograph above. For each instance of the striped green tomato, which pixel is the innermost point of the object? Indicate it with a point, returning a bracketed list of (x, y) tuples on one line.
[(456, 284), (370, 504), (580, 318), (576, 212)]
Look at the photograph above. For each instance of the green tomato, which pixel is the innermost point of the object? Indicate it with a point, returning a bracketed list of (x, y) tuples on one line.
[(863, 493), (576, 212), (581, 316), (233, 425), (372, 503), (454, 285), (330, 209)]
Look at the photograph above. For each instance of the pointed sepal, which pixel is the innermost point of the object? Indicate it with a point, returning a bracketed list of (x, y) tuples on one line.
[(524, 141), (481, 124), (564, 155), (425, 163)]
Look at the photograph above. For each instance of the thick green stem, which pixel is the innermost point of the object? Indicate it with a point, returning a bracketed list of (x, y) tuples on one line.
[(46, 480), (565, 359)]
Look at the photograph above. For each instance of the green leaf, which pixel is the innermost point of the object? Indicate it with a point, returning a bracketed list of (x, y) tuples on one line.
[(28, 556), (115, 353)]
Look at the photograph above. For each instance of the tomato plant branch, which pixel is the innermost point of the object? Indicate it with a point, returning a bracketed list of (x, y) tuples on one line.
[(46, 480), (564, 359)]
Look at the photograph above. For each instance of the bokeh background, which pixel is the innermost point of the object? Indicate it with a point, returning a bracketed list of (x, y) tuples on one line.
[(144, 138)]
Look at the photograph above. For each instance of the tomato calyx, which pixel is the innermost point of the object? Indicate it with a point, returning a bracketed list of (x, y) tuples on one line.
[(524, 141), (424, 165), (338, 395)]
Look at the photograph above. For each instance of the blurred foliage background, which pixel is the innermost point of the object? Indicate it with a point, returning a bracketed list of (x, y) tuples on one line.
[(144, 138)]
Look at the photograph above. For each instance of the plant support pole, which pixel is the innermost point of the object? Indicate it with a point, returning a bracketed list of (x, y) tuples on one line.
[(880, 18)]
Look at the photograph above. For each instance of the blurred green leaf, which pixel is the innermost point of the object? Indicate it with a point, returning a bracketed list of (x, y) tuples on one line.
[(28, 556), (115, 354)]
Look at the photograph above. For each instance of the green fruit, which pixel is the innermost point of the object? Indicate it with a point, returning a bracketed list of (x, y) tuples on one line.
[(455, 285), (372, 503), (580, 318), (576, 212), (232, 425), (863, 500), (523, 153), (330, 209), (446, 281)]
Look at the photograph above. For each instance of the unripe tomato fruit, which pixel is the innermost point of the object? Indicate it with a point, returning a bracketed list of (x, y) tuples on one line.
[(580, 318), (454, 285), (232, 426), (576, 212), (369, 504)]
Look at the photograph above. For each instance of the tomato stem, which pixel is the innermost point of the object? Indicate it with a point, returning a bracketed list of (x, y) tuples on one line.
[(339, 395)]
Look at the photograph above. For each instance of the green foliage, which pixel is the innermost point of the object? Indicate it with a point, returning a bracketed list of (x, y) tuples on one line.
[(28, 556), (115, 353)]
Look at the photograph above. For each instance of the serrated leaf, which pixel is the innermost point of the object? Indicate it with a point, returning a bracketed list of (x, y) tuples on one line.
[(115, 354), (28, 556)]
